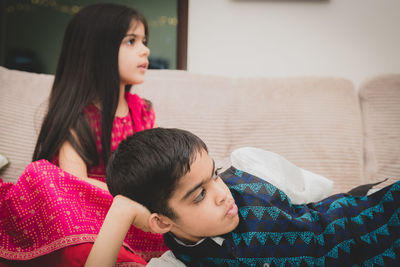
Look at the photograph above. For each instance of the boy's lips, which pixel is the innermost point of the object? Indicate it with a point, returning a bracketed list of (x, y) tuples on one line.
[(233, 210)]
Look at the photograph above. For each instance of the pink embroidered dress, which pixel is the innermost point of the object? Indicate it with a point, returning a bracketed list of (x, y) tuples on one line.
[(49, 209)]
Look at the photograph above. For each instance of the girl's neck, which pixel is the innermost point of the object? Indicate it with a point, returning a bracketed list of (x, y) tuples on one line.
[(122, 108)]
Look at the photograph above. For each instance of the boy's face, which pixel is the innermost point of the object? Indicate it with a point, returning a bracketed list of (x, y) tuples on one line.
[(202, 202)]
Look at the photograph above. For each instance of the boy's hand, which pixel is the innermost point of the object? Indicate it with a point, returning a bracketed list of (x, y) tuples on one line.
[(121, 215), (138, 214)]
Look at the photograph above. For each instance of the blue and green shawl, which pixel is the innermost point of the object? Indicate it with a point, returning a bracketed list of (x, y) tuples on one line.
[(341, 230)]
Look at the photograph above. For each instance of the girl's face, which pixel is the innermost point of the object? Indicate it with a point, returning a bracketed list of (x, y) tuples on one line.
[(133, 56)]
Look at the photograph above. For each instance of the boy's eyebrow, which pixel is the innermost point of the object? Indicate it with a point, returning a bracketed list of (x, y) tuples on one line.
[(199, 184)]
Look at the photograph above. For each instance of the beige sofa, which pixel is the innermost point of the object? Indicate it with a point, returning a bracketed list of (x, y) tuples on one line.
[(322, 124)]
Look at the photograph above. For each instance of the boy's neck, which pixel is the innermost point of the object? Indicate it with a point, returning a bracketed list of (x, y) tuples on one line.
[(184, 240), (217, 239)]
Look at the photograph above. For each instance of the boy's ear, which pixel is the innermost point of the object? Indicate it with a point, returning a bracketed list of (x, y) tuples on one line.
[(159, 224)]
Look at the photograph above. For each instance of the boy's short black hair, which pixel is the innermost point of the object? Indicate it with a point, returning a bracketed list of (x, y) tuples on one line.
[(147, 166)]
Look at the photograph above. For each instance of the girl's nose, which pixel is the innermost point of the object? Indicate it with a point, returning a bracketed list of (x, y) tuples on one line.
[(145, 51)]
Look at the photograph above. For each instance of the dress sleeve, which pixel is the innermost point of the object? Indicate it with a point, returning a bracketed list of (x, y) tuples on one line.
[(143, 115)]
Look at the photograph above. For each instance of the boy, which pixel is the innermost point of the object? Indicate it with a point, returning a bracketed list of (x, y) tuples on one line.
[(235, 218)]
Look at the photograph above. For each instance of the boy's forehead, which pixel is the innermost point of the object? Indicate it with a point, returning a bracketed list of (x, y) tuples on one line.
[(200, 170)]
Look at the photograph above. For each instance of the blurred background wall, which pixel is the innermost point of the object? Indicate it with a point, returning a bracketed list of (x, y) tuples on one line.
[(32, 31), (348, 38)]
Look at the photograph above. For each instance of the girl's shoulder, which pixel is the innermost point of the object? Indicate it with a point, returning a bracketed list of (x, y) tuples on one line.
[(138, 103), (91, 109), (92, 113), (141, 111), (136, 100)]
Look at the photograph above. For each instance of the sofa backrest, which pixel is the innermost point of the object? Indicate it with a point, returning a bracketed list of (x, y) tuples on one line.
[(314, 122), (380, 104), (23, 97)]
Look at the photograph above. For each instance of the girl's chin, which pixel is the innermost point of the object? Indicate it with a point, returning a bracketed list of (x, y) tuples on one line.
[(137, 81)]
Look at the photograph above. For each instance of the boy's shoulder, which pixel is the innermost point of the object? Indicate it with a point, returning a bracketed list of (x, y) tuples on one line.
[(234, 178)]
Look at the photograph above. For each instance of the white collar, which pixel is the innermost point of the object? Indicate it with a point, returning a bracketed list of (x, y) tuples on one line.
[(217, 239)]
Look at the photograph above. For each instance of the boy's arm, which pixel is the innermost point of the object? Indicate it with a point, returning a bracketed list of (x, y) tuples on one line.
[(121, 215)]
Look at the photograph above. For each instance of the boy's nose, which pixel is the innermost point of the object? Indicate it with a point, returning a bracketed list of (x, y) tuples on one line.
[(221, 195)]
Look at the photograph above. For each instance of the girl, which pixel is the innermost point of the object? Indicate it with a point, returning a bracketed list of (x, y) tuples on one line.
[(61, 206), (103, 54)]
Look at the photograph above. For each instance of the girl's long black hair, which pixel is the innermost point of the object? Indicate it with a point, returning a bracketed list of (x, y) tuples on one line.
[(87, 72)]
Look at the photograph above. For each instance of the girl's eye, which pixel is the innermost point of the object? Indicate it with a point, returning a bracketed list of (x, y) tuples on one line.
[(130, 42), (201, 196)]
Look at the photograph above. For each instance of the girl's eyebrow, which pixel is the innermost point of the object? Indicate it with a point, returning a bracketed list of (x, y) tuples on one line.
[(199, 184), (134, 35)]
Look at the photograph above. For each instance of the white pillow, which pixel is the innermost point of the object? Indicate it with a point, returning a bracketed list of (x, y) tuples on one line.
[(300, 185), (3, 161)]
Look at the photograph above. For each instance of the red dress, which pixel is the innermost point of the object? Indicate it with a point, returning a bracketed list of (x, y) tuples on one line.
[(50, 217)]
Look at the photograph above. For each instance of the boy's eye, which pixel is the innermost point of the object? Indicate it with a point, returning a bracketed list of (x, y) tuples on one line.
[(201, 196), (216, 173)]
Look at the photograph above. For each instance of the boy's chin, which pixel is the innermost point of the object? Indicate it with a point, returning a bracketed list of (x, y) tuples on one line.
[(231, 227), (236, 222), (190, 240)]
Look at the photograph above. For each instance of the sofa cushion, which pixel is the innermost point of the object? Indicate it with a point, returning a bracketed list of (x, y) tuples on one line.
[(380, 105), (314, 122), (23, 104)]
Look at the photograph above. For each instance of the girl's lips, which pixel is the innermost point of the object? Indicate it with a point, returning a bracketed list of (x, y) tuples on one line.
[(233, 210), (143, 67)]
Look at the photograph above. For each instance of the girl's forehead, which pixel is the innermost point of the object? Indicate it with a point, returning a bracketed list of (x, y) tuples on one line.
[(136, 26)]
